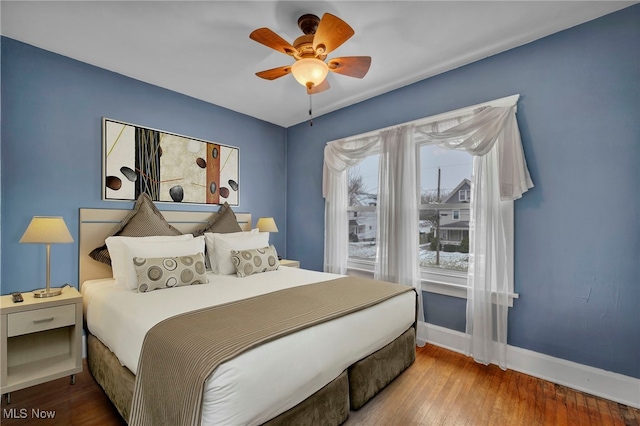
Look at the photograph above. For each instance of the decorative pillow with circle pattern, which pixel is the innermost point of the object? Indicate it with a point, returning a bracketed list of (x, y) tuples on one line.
[(255, 261), (156, 273)]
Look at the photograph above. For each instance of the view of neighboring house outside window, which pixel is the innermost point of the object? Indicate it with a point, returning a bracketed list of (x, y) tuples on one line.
[(445, 192), (445, 242)]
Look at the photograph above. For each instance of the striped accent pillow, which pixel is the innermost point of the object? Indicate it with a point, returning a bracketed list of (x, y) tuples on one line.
[(145, 220), (224, 222)]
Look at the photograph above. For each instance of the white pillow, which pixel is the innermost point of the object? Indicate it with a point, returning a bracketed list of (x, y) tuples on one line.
[(219, 248), (210, 258), (119, 253), (147, 249)]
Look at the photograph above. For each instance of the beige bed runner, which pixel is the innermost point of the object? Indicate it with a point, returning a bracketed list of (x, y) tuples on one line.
[(180, 353)]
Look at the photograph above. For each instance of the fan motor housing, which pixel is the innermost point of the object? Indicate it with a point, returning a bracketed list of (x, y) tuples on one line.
[(308, 23)]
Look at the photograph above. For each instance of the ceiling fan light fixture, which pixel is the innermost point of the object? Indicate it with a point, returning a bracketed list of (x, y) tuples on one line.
[(310, 71)]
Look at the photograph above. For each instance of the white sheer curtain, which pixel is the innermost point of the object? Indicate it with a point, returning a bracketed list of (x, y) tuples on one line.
[(338, 157), (397, 210), (500, 175)]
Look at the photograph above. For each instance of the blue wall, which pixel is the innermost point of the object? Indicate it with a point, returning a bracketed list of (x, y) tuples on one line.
[(577, 232), (52, 108)]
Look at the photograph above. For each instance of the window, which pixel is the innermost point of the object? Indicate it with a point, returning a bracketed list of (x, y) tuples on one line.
[(444, 222), (444, 200), (445, 193), (363, 198), (444, 249)]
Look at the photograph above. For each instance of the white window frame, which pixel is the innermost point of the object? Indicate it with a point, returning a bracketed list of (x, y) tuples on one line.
[(466, 197), (434, 280)]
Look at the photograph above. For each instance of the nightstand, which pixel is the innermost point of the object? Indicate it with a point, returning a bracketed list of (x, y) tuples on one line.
[(41, 339), (290, 263)]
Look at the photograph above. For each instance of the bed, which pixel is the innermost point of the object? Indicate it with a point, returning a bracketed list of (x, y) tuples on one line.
[(313, 375)]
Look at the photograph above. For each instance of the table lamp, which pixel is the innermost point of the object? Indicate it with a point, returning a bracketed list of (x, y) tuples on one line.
[(47, 230), (267, 224)]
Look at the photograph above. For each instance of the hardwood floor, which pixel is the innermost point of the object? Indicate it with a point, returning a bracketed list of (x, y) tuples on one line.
[(440, 388), (447, 388)]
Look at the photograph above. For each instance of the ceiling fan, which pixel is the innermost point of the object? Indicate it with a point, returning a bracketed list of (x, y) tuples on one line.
[(321, 36)]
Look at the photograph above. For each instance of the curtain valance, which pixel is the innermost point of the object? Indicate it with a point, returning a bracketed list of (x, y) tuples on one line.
[(342, 154), (475, 133), (478, 134)]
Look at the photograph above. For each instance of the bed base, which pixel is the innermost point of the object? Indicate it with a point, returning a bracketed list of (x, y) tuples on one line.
[(329, 406), (116, 380), (370, 375)]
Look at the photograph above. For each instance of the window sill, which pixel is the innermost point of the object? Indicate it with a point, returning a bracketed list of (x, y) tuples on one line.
[(366, 270)]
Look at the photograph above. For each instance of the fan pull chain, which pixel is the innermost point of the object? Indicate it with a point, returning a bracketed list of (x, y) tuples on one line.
[(310, 112)]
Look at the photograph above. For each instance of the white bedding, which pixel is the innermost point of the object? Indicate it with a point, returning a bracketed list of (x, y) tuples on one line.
[(268, 380)]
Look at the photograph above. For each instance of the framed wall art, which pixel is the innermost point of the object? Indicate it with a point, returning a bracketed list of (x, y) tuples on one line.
[(166, 166)]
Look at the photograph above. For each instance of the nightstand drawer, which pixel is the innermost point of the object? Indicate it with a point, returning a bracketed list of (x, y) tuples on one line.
[(40, 320)]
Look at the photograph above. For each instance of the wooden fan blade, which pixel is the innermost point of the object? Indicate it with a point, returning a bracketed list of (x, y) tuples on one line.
[(352, 66), (319, 88), (274, 73), (270, 39), (331, 33)]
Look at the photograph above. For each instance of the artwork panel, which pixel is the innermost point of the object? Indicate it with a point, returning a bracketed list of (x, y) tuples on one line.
[(229, 175), (183, 179), (213, 173), (119, 152), (148, 168)]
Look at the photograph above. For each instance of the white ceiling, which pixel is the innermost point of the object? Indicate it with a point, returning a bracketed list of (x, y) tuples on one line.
[(202, 48)]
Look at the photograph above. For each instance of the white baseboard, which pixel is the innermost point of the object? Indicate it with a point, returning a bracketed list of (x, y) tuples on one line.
[(595, 381)]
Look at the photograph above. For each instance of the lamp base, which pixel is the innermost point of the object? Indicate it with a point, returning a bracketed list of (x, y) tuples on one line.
[(47, 293)]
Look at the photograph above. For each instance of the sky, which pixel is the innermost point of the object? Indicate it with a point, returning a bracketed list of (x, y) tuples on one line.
[(454, 165)]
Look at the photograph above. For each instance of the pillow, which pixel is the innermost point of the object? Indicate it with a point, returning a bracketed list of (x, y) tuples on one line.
[(210, 248), (128, 277), (223, 223), (156, 273), (143, 221), (223, 244), (255, 261), (119, 252)]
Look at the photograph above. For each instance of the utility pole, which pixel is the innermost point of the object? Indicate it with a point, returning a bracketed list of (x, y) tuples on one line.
[(438, 223)]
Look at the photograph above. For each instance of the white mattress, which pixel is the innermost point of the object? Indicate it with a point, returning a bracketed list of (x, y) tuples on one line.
[(263, 382)]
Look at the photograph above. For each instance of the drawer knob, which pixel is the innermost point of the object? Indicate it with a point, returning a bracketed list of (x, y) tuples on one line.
[(40, 321)]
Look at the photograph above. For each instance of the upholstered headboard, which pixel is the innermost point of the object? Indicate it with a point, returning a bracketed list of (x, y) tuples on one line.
[(98, 224)]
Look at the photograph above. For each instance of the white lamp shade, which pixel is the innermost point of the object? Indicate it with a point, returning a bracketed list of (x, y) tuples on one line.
[(267, 224), (310, 71), (46, 230)]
